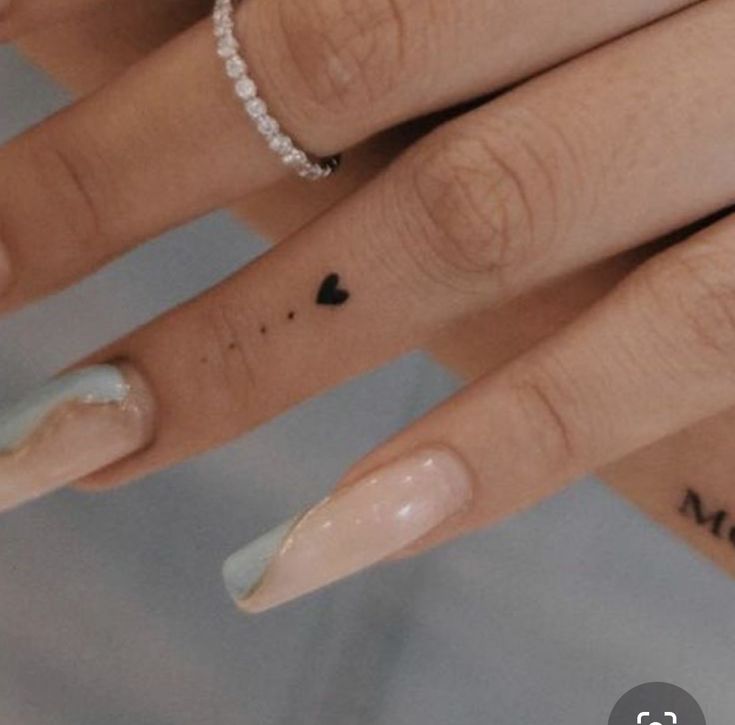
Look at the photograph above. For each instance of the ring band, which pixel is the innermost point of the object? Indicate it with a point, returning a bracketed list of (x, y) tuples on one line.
[(228, 48)]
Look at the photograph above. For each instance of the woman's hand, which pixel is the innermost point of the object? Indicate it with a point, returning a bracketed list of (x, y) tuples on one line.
[(523, 143)]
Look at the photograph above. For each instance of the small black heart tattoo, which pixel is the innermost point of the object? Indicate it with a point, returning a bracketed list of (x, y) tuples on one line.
[(330, 292)]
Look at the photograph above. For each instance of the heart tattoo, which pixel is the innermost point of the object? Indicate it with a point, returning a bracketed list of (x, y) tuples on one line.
[(330, 292)]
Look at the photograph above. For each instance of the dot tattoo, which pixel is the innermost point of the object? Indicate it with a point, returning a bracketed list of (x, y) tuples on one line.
[(329, 294)]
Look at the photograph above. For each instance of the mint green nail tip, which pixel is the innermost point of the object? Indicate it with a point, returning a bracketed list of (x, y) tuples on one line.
[(243, 570), (94, 384)]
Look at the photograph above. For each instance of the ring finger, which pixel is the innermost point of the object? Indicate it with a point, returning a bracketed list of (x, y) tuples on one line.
[(166, 141)]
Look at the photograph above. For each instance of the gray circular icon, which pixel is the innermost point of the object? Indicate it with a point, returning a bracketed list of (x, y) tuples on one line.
[(657, 703)]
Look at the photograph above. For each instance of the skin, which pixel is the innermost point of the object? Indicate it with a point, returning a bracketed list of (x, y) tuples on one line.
[(476, 342)]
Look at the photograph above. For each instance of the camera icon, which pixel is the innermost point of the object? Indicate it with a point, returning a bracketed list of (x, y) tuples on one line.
[(657, 703), (643, 719)]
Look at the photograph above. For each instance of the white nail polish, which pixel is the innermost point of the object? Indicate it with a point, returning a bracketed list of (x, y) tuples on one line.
[(70, 427), (358, 526)]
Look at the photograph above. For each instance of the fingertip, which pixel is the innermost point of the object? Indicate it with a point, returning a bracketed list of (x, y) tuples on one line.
[(243, 570), (357, 527)]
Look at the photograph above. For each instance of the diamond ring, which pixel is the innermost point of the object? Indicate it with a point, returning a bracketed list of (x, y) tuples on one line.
[(228, 48)]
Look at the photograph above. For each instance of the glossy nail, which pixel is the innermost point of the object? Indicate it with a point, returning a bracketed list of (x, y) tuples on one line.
[(74, 425), (358, 526)]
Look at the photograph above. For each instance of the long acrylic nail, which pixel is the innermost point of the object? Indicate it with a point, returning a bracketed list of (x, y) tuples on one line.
[(351, 530), (74, 425)]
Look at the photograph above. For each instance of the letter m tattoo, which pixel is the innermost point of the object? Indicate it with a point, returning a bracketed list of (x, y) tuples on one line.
[(692, 507)]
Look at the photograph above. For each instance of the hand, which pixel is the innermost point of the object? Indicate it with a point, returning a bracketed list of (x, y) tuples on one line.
[(534, 90)]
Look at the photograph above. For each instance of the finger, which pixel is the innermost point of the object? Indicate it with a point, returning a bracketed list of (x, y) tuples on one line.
[(219, 365), (102, 26), (43, 438), (167, 141), (79, 188), (216, 367), (87, 50), (104, 414), (684, 483), (651, 359), (20, 16), (486, 341), (340, 70)]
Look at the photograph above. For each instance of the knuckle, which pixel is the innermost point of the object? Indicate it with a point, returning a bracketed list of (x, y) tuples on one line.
[(50, 190), (67, 188), (472, 201), (697, 286), (344, 54), (548, 413), (229, 357)]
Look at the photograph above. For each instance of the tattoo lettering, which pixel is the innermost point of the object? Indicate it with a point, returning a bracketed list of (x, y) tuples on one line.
[(718, 522)]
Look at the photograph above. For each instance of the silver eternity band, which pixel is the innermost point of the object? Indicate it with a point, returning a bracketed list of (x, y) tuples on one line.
[(228, 48)]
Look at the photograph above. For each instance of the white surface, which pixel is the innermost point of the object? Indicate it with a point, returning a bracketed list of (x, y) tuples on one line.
[(112, 609)]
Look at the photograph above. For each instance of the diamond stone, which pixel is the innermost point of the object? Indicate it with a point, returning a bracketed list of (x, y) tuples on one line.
[(227, 48), (312, 173), (235, 67), (245, 89), (281, 144), (267, 125), (256, 107), (295, 158)]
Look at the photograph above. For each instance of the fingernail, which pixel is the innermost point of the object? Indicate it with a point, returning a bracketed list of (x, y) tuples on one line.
[(356, 527), (74, 425)]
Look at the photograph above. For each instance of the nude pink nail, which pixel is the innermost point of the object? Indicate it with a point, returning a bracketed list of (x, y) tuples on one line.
[(74, 425), (360, 525)]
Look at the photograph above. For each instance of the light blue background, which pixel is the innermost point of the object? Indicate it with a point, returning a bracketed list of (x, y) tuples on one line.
[(112, 610)]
